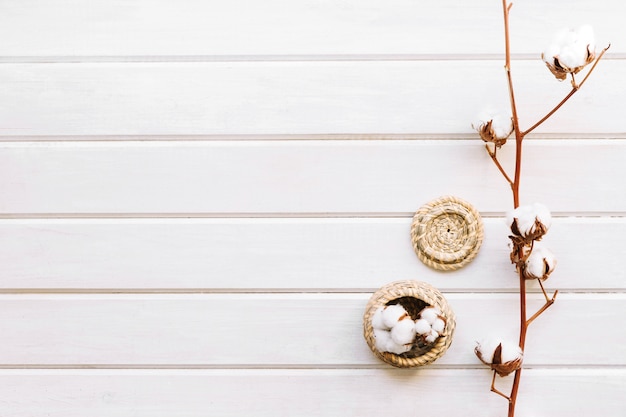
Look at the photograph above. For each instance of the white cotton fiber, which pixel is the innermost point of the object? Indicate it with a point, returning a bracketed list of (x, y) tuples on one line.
[(383, 337), (422, 326), (510, 352), (486, 349), (377, 320), (404, 331), (392, 314), (432, 337), (430, 314), (439, 325), (396, 348)]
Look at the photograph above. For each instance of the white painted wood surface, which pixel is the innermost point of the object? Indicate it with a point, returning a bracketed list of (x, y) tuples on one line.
[(285, 97), (298, 177), (325, 254), (199, 197), (282, 330)]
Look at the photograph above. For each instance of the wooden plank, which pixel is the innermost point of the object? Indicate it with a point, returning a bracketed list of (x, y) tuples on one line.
[(264, 98), (310, 254), (555, 392), (283, 330), (281, 27), (248, 178)]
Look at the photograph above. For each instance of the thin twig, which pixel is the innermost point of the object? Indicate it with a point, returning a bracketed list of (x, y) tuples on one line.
[(549, 302), (494, 158), (497, 391), (545, 294), (542, 309), (515, 186)]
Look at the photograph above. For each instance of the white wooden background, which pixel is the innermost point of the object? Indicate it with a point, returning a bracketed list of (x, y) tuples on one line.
[(198, 198)]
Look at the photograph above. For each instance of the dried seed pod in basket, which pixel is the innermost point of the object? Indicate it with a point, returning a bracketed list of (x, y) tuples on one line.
[(408, 324)]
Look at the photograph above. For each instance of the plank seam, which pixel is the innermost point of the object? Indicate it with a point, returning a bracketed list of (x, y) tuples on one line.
[(79, 59)]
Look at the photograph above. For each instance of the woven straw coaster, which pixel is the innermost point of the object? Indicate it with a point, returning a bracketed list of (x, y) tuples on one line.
[(447, 233), (413, 296)]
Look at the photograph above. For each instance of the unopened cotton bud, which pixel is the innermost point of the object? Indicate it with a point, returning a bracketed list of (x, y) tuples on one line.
[(422, 327), (404, 331), (530, 222), (494, 127), (501, 356), (377, 320), (570, 51), (392, 314), (540, 263)]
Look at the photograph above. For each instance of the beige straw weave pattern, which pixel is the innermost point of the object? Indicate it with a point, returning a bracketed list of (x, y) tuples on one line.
[(447, 233), (421, 293)]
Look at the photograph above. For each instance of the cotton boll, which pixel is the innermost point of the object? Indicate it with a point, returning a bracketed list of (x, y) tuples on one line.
[(503, 357), (540, 263), (530, 222), (430, 314), (502, 126), (570, 51), (520, 220), (392, 314), (486, 348), (494, 127), (383, 338), (377, 320), (422, 326), (404, 331), (439, 325), (576, 48)]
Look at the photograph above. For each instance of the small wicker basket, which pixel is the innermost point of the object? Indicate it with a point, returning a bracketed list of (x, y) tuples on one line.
[(413, 296)]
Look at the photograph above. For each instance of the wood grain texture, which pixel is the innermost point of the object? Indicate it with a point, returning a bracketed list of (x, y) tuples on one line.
[(278, 330), (278, 254), (359, 177), (302, 97), (195, 28), (320, 393)]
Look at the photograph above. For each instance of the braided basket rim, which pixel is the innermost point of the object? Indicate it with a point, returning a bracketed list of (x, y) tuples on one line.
[(470, 241), (420, 290)]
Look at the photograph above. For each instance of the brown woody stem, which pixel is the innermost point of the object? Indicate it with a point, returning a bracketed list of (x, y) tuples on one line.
[(515, 184)]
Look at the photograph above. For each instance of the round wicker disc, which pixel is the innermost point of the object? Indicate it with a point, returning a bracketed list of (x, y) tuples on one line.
[(447, 233), (422, 294)]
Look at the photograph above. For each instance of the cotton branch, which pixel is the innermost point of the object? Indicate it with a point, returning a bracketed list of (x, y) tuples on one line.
[(570, 53)]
